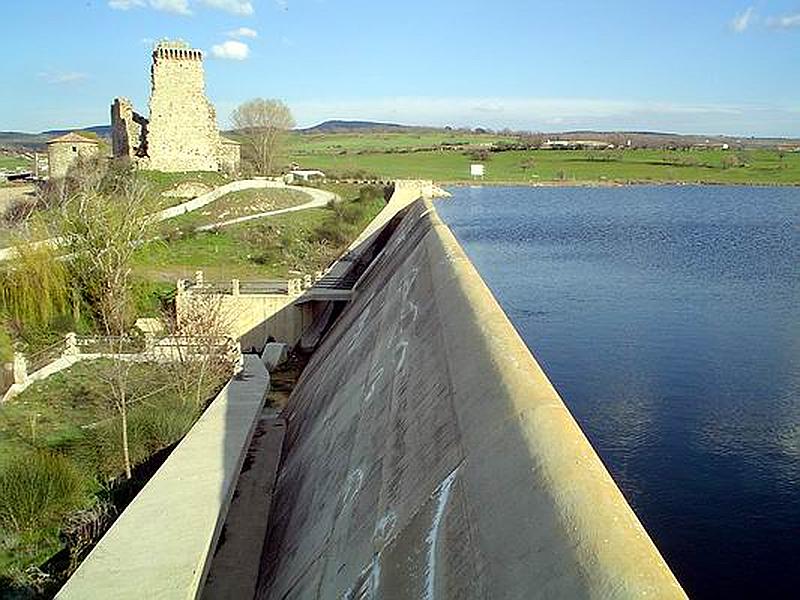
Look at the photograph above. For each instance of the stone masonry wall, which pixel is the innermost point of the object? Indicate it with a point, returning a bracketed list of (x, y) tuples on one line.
[(182, 133), (61, 156), (128, 130)]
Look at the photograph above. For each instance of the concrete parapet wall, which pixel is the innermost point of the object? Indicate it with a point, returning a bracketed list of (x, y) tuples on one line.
[(427, 454), (161, 546)]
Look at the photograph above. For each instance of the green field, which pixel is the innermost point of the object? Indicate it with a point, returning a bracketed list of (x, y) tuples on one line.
[(569, 166), (335, 143), (12, 162)]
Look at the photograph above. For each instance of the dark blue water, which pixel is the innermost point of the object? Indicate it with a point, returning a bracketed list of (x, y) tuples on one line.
[(669, 320)]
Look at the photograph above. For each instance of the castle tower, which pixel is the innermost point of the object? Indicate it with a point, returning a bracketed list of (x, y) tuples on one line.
[(182, 131)]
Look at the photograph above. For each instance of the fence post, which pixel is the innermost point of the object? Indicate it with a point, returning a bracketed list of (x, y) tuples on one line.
[(20, 368), (235, 288), (71, 345)]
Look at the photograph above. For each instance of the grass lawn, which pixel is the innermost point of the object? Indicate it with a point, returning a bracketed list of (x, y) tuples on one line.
[(273, 248), (65, 422), (236, 204), (696, 166), (159, 182)]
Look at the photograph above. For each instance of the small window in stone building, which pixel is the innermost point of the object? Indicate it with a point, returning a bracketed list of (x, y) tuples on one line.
[(74, 148)]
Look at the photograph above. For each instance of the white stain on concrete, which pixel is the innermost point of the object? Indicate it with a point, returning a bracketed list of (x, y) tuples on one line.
[(373, 382), (443, 495), (368, 581), (352, 485), (401, 347), (384, 528)]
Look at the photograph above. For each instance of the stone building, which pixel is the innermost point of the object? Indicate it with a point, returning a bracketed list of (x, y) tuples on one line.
[(181, 133), (64, 151)]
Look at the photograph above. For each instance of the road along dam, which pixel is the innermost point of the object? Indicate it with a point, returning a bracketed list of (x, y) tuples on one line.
[(428, 456)]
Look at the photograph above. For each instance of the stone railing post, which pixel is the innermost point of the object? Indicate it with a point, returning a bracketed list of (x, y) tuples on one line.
[(71, 345), (235, 287), (20, 371), (198, 278), (295, 286), (318, 275), (180, 287), (308, 281)]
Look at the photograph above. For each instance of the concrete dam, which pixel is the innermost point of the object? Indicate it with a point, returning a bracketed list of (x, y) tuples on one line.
[(426, 454)]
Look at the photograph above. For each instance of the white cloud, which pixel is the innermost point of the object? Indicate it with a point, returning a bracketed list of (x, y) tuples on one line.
[(63, 77), (243, 32), (785, 21), (743, 20), (125, 4), (178, 7), (230, 50), (236, 7)]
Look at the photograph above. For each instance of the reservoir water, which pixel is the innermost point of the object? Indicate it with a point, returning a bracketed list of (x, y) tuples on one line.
[(668, 317)]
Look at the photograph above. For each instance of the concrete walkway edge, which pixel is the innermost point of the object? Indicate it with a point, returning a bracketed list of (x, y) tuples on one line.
[(161, 545)]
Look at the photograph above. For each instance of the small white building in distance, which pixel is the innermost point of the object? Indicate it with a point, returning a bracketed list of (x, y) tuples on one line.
[(64, 151)]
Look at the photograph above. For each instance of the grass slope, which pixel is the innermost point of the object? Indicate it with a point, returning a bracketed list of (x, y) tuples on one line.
[(276, 247)]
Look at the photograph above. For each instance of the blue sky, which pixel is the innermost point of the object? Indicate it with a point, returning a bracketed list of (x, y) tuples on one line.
[(704, 66)]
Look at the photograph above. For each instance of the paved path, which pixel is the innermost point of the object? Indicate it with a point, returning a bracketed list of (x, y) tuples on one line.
[(319, 199)]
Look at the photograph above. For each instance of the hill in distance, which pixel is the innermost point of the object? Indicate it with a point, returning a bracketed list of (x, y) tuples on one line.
[(340, 126)]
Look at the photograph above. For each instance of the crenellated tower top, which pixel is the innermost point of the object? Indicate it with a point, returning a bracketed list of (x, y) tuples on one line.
[(176, 50)]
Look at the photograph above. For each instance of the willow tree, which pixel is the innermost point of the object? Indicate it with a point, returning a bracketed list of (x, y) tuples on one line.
[(34, 286), (262, 126)]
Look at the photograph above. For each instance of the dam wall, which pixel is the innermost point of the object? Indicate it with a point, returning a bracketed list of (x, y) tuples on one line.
[(427, 455)]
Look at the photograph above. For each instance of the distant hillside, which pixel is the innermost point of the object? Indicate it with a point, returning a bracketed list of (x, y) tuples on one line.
[(337, 126), (36, 141), (101, 130)]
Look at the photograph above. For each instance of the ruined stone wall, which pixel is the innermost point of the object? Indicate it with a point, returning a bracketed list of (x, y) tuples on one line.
[(182, 132), (230, 156), (128, 130), (62, 156)]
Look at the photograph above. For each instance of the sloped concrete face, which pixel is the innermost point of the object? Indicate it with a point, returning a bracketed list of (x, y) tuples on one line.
[(428, 456)]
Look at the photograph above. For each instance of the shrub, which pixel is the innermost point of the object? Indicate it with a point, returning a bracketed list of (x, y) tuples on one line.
[(368, 193), (37, 490), (158, 427)]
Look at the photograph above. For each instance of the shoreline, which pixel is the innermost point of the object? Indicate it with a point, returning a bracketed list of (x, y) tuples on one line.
[(590, 183)]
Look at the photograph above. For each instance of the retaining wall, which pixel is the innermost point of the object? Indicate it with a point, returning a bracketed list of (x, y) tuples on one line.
[(427, 455)]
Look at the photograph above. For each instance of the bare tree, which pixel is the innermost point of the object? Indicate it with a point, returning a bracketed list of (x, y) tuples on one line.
[(262, 125), (202, 352)]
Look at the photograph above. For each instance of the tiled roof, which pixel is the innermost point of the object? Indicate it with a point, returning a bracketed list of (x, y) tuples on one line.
[(72, 138)]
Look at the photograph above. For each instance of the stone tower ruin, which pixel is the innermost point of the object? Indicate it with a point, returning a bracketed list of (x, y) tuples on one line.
[(181, 133)]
